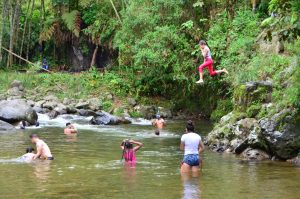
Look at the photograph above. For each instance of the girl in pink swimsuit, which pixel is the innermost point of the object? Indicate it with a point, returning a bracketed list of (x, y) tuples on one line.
[(208, 63), (129, 150)]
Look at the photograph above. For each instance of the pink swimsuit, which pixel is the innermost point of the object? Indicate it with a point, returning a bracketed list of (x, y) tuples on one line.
[(129, 156)]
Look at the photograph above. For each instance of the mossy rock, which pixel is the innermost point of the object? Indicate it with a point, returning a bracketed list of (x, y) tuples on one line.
[(253, 110), (251, 93)]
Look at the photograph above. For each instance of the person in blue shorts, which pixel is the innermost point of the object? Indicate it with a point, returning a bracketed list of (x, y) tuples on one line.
[(192, 146)]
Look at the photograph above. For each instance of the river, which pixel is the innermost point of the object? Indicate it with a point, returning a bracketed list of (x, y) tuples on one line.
[(89, 166)]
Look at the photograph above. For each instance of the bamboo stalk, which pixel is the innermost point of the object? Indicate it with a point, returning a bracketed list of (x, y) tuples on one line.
[(113, 5), (27, 61)]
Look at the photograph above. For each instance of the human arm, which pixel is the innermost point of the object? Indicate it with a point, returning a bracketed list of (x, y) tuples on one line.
[(138, 145), (201, 147), (182, 145), (39, 149)]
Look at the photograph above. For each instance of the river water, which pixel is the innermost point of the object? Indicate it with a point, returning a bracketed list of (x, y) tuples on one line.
[(88, 166)]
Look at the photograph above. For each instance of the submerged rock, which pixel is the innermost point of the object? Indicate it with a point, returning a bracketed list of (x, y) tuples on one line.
[(255, 154), (17, 110)]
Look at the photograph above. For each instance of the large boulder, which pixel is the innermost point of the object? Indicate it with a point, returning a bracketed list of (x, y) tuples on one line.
[(281, 134), (104, 118), (4, 126), (12, 111)]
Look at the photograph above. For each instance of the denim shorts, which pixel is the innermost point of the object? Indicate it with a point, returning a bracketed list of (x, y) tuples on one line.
[(191, 159)]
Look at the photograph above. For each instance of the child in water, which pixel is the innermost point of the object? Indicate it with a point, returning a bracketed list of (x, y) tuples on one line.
[(29, 155), (129, 150), (208, 62)]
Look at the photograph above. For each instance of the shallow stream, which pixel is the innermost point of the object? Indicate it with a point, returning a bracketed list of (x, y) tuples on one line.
[(89, 166)]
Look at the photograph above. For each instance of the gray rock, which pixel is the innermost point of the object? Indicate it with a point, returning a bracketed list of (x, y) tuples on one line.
[(165, 113), (4, 126), (131, 101), (109, 96), (255, 154), (14, 91), (71, 109), (50, 98), (104, 118), (61, 109), (30, 103), (82, 105), (53, 114), (16, 83), (84, 112), (40, 103), (147, 112), (17, 110), (50, 104), (94, 104)]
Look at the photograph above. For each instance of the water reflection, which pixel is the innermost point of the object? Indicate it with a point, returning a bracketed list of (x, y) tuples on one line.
[(129, 176), (191, 187), (71, 138), (42, 170)]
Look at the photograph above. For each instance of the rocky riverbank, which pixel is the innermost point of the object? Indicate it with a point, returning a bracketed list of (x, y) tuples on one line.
[(257, 128), (16, 106)]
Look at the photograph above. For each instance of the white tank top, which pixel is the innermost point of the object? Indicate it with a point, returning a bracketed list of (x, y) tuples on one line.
[(208, 55)]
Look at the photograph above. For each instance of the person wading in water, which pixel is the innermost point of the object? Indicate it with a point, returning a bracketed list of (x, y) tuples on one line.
[(192, 146), (208, 62), (129, 150)]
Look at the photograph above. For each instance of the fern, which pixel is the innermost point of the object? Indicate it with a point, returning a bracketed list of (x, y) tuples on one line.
[(73, 22)]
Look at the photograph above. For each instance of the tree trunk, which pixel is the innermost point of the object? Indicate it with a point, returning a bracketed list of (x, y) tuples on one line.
[(13, 13), (25, 27), (2, 26), (93, 62), (29, 31)]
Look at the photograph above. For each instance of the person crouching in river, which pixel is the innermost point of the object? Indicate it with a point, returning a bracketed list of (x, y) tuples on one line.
[(43, 151), (129, 150), (192, 146)]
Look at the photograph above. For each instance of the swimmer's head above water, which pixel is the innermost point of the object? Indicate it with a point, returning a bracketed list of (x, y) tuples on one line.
[(127, 144), (157, 132), (29, 150)]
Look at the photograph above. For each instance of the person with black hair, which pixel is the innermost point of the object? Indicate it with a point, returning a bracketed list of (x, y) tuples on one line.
[(29, 155), (70, 129), (129, 150), (208, 62), (192, 146)]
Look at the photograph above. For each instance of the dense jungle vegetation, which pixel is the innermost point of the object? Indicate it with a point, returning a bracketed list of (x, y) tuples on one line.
[(149, 48)]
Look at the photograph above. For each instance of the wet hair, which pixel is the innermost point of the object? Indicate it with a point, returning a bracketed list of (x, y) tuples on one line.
[(202, 42), (157, 132), (127, 144), (37, 124), (190, 126), (67, 124), (33, 136), (29, 150)]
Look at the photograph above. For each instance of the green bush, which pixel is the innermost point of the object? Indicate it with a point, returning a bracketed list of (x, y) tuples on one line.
[(223, 108)]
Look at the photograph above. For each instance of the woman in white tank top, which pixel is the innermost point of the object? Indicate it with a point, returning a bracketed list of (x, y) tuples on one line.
[(208, 62), (192, 146)]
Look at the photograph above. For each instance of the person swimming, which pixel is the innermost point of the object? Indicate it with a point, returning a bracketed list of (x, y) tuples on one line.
[(29, 155), (70, 129), (159, 123), (129, 150)]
